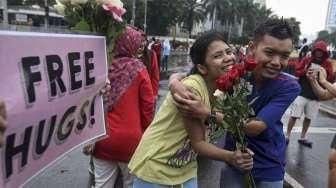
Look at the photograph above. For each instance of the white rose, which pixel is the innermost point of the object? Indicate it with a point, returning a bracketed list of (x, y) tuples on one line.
[(60, 8), (218, 93), (78, 2)]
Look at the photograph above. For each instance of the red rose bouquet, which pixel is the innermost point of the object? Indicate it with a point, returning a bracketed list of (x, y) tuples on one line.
[(231, 101)]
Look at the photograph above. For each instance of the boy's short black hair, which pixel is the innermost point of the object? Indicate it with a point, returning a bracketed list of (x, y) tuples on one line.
[(275, 27)]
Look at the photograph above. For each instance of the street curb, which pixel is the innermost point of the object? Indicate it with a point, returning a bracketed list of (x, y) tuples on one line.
[(328, 109)]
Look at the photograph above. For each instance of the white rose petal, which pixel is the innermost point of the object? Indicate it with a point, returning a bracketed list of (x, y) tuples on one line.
[(249, 88), (59, 8), (218, 93)]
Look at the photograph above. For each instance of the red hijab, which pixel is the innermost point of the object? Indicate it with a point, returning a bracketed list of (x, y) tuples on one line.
[(125, 66)]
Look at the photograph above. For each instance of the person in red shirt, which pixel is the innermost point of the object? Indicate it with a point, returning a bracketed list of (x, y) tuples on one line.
[(151, 62), (130, 110)]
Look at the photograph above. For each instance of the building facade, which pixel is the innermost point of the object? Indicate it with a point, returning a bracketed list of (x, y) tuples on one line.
[(330, 24)]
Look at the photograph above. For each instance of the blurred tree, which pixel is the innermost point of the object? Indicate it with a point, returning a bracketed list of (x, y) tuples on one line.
[(296, 29), (14, 2), (192, 11), (215, 9), (323, 35), (326, 36), (30, 2), (245, 13), (163, 14), (332, 38), (255, 15), (139, 12)]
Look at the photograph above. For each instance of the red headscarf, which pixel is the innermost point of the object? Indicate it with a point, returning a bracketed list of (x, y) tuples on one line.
[(125, 67)]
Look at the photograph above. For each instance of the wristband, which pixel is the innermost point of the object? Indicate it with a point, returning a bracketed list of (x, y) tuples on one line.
[(211, 118)]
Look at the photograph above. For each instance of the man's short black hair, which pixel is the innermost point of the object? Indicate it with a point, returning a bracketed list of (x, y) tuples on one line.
[(275, 27)]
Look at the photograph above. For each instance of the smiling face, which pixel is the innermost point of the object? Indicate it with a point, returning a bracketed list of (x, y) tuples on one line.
[(271, 55), (218, 60)]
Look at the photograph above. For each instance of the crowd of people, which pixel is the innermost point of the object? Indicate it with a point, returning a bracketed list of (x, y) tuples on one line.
[(161, 149)]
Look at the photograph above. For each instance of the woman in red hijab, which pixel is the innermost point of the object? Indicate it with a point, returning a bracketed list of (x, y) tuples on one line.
[(130, 110)]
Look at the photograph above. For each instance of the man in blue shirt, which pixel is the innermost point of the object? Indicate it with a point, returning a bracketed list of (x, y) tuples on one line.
[(273, 91)]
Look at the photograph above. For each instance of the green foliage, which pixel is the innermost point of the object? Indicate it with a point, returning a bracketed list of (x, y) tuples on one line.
[(139, 12), (15, 2), (242, 40), (92, 18), (296, 29), (232, 11), (161, 14), (326, 36), (192, 11), (30, 2), (236, 110), (323, 35), (81, 26)]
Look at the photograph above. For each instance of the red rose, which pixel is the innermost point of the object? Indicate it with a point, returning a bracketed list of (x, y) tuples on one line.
[(250, 64), (241, 69), (224, 83), (233, 74)]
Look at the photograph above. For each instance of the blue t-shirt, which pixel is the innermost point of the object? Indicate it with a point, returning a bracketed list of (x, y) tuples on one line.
[(271, 101)]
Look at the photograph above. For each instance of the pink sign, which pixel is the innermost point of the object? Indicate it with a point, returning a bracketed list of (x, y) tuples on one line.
[(50, 85)]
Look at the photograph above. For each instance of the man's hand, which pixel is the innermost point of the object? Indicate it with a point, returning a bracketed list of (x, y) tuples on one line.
[(191, 106), (3, 122), (242, 161), (88, 148)]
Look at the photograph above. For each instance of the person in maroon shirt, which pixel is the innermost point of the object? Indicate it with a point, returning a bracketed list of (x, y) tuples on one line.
[(151, 62), (130, 110), (157, 48)]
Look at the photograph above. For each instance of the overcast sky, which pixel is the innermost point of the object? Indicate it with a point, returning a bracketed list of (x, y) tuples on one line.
[(311, 13)]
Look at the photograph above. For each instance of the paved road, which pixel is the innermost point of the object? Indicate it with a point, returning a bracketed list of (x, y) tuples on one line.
[(309, 166), (305, 167)]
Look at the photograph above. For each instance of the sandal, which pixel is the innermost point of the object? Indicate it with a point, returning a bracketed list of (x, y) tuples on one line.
[(305, 142)]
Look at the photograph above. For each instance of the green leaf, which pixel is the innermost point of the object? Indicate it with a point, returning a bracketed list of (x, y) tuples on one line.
[(81, 26)]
